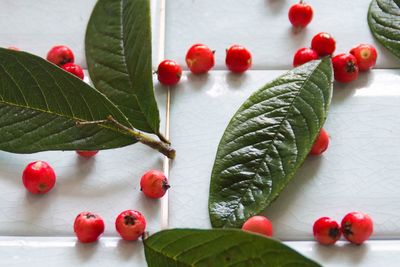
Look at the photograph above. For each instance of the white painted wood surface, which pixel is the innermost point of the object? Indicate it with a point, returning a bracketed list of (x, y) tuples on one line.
[(359, 171)]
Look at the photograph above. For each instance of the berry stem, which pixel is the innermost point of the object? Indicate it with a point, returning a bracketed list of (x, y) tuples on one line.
[(163, 146)]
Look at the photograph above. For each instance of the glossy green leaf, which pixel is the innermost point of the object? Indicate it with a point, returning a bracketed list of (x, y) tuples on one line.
[(118, 53), (40, 104), (219, 247), (266, 141), (384, 22)]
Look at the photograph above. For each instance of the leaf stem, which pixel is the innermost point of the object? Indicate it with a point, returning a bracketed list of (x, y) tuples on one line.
[(163, 138), (144, 139), (162, 147)]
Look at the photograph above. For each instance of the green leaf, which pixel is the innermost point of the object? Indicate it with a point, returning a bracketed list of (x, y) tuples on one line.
[(219, 247), (40, 104), (266, 141), (118, 53), (384, 22)]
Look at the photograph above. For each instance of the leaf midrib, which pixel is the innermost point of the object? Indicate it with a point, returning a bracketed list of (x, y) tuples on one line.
[(274, 138), (48, 111), (61, 115)]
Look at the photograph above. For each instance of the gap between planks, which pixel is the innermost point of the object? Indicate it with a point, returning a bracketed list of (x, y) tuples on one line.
[(166, 160)]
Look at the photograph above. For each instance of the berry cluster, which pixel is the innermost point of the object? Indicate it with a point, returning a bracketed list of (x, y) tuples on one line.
[(345, 65), (39, 178), (63, 57), (130, 224), (200, 59), (356, 227)]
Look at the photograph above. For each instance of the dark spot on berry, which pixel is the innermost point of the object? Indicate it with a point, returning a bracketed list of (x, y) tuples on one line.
[(347, 229), (90, 215), (66, 60), (165, 185), (227, 258), (129, 220), (334, 232), (350, 66)]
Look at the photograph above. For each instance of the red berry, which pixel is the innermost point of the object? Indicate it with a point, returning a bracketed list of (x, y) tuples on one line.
[(169, 72), (357, 227), (258, 224), (38, 177), (154, 184), (87, 153), (199, 59), (60, 55), (321, 143), (301, 14), (238, 59), (304, 55), (130, 224), (326, 231), (366, 56), (324, 44), (88, 227), (345, 68), (74, 69)]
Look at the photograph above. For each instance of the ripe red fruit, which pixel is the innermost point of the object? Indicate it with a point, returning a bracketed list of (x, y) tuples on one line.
[(324, 44), (326, 231), (88, 227), (130, 225), (169, 72), (321, 143), (199, 59), (258, 224), (87, 153), (154, 184), (74, 69), (38, 177), (357, 227), (238, 58), (366, 56), (304, 55), (60, 55), (301, 14), (345, 68)]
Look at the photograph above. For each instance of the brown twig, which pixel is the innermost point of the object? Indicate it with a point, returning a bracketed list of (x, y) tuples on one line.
[(162, 146)]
